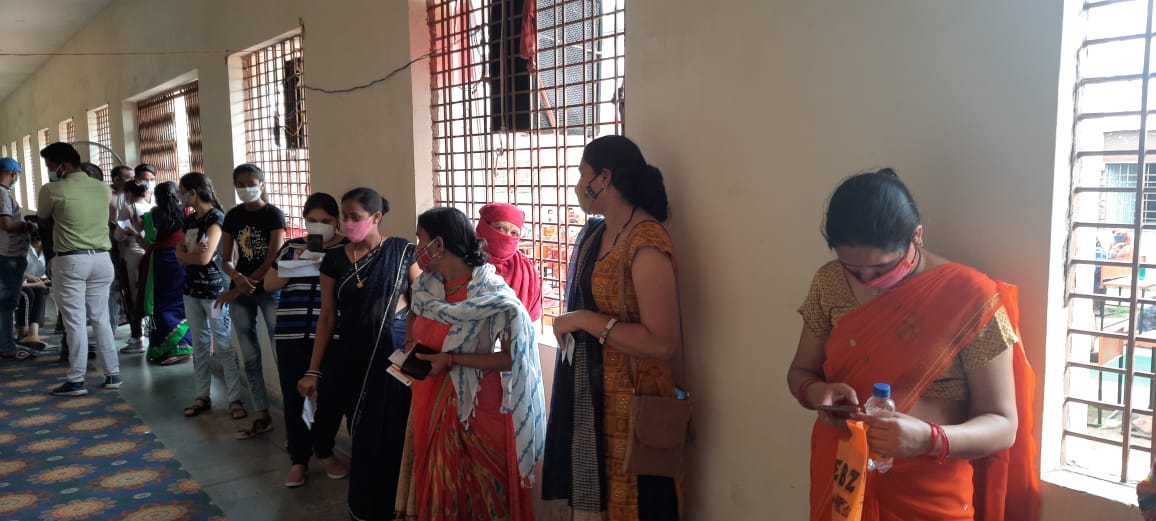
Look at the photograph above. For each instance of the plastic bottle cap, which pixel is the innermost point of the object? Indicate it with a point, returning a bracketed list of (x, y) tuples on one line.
[(881, 390)]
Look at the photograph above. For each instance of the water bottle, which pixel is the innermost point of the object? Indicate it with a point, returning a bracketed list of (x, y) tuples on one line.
[(880, 404)]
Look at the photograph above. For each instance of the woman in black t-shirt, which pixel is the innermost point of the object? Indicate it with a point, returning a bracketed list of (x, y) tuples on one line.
[(200, 252), (364, 296), (254, 230)]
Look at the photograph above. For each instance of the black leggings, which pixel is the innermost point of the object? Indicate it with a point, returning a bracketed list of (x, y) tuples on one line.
[(292, 361)]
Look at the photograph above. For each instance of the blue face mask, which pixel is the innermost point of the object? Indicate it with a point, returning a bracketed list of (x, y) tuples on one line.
[(1120, 237)]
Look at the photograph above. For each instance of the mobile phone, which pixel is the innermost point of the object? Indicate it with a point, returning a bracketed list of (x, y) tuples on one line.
[(416, 368), (315, 243)]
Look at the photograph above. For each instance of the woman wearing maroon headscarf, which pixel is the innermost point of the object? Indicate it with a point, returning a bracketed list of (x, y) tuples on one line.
[(501, 226)]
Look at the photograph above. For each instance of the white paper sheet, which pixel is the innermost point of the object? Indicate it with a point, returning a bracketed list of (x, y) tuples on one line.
[(288, 269), (307, 412)]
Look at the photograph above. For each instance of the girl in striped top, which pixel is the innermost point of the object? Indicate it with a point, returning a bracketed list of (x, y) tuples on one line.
[(297, 314)]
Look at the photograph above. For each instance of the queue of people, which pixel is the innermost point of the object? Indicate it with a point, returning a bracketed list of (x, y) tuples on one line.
[(470, 439)]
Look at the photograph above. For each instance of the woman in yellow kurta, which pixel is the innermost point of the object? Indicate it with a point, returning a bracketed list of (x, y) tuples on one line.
[(629, 249)]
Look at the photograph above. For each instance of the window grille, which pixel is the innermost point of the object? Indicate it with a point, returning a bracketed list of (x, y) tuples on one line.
[(518, 89), (67, 130), (165, 132), (276, 134), (21, 189), (102, 133), (1109, 392)]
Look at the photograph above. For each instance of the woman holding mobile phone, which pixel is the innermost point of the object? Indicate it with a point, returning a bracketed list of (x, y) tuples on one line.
[(298, 314)]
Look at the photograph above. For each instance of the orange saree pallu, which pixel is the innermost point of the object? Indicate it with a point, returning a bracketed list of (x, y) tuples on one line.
[(907, 337)]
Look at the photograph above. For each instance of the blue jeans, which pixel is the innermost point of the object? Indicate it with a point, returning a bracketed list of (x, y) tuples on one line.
[(211, 337), (245, 310), (11, 282)]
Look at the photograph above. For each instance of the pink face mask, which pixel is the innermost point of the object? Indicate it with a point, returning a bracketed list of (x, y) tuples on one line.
[(357, 230), (894, 275)]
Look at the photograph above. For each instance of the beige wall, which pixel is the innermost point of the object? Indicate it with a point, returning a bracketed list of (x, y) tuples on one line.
[(756, 110), (753, 109)]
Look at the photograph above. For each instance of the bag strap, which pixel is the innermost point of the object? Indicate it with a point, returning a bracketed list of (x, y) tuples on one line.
[(624, 318)]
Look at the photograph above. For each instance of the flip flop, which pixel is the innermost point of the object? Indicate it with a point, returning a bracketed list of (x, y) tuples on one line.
[(174, 359), (260, 426)]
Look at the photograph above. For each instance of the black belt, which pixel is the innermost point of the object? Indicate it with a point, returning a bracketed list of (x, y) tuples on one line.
[(81, 252)]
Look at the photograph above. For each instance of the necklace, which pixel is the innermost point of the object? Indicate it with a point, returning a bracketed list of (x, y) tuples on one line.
[(455, 287), (356, 267), (619, 234)]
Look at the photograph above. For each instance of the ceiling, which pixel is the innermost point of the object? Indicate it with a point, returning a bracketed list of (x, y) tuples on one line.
[(38, 26)]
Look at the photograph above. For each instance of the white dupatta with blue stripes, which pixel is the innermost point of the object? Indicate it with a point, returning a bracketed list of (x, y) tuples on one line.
[(491, 308)]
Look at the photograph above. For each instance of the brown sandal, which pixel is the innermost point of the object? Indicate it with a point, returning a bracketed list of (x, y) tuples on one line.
[(260, 426), (237, 410), (200, 405)]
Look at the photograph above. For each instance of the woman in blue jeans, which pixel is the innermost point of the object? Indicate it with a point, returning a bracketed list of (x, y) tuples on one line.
[(254, 230), (200, 252)]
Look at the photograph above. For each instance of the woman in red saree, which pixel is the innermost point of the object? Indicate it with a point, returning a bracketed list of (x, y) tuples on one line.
[(945, 336), (478, 418)]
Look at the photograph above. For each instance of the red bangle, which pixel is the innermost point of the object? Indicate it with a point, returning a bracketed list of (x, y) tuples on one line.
[(451, 360), (801, 392), (935, 430), (946, 446)]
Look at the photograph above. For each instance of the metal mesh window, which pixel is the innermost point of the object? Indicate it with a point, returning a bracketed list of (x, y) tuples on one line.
[(102, 133), (21, 189), (1109, 392), (518, 89), (41, 177), (67, 130), (168, 131), (276, 137)]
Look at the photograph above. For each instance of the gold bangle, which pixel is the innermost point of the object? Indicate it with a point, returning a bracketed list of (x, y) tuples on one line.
[(606, 331)]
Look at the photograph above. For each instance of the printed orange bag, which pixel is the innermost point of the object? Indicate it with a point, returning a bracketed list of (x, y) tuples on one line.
[(850, 475)]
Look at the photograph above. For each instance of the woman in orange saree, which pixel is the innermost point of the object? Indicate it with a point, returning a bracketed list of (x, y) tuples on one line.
[(945, 336)]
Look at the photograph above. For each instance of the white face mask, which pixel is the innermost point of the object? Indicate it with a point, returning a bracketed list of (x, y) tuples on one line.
[(326, 231), (151, 186), (249, 194)]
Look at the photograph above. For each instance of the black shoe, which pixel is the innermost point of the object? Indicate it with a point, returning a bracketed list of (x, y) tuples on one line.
[(70, 389), (112, 381)]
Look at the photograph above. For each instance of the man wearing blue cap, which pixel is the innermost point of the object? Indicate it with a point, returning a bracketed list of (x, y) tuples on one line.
[(14, 241)]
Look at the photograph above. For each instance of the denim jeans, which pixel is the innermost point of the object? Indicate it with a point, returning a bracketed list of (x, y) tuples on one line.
[(80, 285), (211, 338), (245, 310), (11, 282)]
